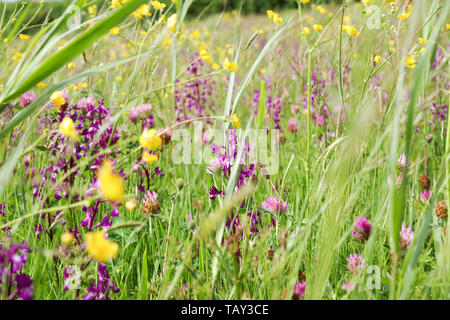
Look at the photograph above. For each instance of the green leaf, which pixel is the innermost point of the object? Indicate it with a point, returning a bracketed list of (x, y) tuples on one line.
[(143, 290), (262, 105)]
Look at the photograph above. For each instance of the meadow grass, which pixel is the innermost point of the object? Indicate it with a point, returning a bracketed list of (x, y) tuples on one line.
[(360, 127)]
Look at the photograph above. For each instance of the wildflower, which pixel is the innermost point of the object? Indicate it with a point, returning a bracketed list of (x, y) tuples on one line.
[(377, 59), (92, 10), (441, 209), (67, 238), (86, 103), (406, 236), (404, 16), (41, 85), (12, 260), (277, 19), (158, 5), (131, 205), (58, 98), (274, 204), (115, 4), (111, 185), (362, 228), (299, 290), (235, 121), (24, 36), (367, 2), (114, 31), (149, 157), (348, 286), (99, 248), (424, 182), (422, 41), (17, 56), (317, 27), (205, 56), (141, 111), (195, 35), (352, 31), (410, 62), (27, 98), (293, 125), (230, 66), (172, 22), (425, 195), (166, 42), (104, 286), (149, 139), (354, 263), (68, 129), (71, 65), (215, 66), (401, 162), (306, 31), (270, 14), (143, 10), (305, 1), (150, 203)]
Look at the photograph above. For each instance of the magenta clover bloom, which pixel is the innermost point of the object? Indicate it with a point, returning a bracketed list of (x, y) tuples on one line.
[(406, 236), (354, 263), (274, 204), (362, 228), (27, 98)]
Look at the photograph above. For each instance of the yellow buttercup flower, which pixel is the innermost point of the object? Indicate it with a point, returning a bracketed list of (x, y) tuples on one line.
[(230, 66), (67, 238), (143, 10), (317, 27), (58, 99), (195, 35), (274, 16), (111, 185), (166, 42), (277, 19), (422, 41), (17, 56), (270, 14), (149, 139), (235, 120), (99, 248), (24, 36), (215, 66), (158, 5), (68, 129), (115, 4), (71, 65), (404, 16), (306, 31), (41, 85), (410, 62), (377, 59), (149, 157), (351, 30), (172, 22), (305, 1), (92, 10), (205, 56), (114, 31)]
